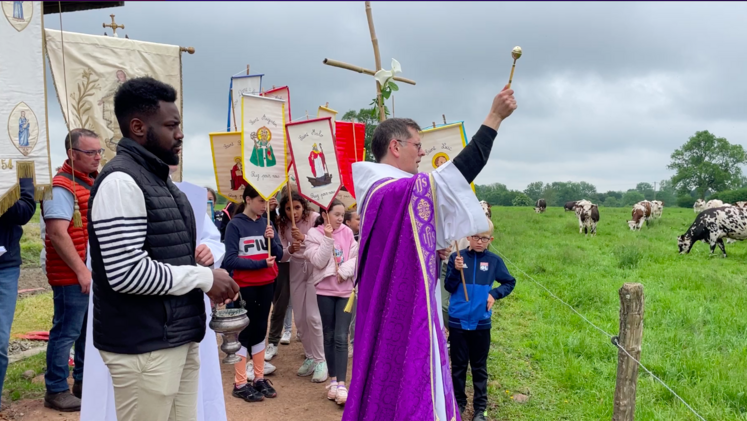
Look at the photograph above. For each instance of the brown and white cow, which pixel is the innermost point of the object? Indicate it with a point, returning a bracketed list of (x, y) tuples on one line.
[(486, 208), (641, 213), (540, 206), (741, 204), (713, 225), (588, 216), (715, 203), (657, 208), (699, 206)]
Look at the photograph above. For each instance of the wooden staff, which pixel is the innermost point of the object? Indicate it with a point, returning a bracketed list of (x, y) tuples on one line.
[(464, 283), (444, 116), (355, 144), (337, 265), (290, 200), (269, 240)]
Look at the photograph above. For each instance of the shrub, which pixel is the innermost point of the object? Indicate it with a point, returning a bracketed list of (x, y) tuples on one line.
[(522, 199), (685, 201)]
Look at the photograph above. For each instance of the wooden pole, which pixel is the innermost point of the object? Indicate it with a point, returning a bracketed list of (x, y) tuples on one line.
[(337, 265), (346, 66), (444, 116), (464, 283), (377, 57), (631, 333), (247, 70), (269, 240), (355, 143), (290, 201), (393, 115), (434, 124)]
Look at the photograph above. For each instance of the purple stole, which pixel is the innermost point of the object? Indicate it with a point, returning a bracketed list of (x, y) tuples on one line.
[(394, 366)]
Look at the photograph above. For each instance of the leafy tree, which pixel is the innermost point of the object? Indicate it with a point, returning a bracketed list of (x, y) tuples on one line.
[(371, 119), (611, 202), (522, 199), (646, 189), (685, 201), (534, 190), (707, 163), (631, 197)]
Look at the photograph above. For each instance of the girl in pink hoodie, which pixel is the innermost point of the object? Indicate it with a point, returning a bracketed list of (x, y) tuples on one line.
[(302, 289), (332, 251)]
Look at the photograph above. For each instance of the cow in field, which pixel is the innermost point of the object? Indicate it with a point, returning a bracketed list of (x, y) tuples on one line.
[(657, 208), (588, 216), (699, 206), (715, 203), (540, 206), (741, 204), (486, 208), (713, 225), (569, 206), (641, 213)]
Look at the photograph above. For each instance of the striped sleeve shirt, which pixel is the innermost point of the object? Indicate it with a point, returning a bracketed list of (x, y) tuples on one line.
[(120, 223)]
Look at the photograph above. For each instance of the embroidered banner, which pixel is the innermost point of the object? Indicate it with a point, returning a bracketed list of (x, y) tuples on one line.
[(283, 94), (327, 112), (346, 198), (95, 67), (250, 84), (263, 144), (442, 144), (312, 146), (24, 144), (227, 165), (350, 149)]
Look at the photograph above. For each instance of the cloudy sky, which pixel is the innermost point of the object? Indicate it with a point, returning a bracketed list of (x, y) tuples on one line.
[(606, 91)]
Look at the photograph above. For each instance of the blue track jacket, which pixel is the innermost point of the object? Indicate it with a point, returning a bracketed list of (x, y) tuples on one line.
[(481, 270)]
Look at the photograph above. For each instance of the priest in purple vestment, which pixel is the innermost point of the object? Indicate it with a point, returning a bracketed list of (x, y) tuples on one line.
[(408, 221)]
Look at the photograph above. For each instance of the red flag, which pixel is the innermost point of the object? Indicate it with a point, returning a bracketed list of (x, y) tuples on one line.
[(349, 150)]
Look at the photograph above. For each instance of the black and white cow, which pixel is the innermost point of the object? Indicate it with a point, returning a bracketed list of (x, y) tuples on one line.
[(540, 206), (569, 206), (588, 216), (486, 208), (699, 206), (712, 226)]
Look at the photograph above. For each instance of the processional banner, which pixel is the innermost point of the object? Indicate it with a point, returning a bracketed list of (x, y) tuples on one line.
[(227, 164), (312, 146), (24, 144), (95, 67), (350, 148), (327, 112), (263, 144), (441, 144), (283, 94), (346, 198), (240, 85)]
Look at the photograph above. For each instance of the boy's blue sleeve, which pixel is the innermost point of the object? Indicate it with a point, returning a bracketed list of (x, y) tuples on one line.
[(277, 246), (453, 277), (22, 211), (504, 278)]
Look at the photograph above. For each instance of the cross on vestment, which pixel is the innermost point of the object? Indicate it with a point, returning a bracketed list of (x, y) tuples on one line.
[(114, 26), (377, 57)]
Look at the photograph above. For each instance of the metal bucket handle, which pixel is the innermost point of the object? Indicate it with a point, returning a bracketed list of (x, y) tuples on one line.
[(241, 302)]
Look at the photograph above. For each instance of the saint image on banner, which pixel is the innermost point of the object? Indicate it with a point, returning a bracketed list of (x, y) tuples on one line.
[(318, 164), (18, 11), (237, 175), (23, 128), (107, 111), (262, 153), (440, 159)]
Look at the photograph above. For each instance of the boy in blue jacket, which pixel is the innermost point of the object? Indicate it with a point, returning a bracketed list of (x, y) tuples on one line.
[(469, 321)]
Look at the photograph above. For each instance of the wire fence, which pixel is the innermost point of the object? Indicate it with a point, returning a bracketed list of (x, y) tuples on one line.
[(604, 332)]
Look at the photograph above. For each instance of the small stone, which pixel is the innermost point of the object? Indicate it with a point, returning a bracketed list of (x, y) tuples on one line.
[(29, 374), (520, 398), (38, 379)]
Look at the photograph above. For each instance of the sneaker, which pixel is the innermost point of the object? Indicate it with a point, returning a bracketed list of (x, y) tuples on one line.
[(271, 351), (342, 395), (320, 373), (331, 391), (269, 369), (480, 416), (307, 368), (286, 339), (264, 387), (63, 401), (247, 393)]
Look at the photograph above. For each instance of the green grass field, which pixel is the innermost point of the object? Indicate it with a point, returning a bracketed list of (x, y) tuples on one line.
[(695, 321)]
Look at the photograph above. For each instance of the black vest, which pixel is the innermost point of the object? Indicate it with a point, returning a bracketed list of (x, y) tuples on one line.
[(136, 324)]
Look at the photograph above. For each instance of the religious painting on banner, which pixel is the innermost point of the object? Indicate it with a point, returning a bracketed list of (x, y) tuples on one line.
[(312, 146), (346, 198), (263, 144), (240, 85), (350, 149), (327, 112), (283, 93), (227, 165), (24, 142), (95, 67), (441, 144)]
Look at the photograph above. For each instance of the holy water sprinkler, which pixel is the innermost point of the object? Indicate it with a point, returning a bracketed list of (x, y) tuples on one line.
[(515, 53)]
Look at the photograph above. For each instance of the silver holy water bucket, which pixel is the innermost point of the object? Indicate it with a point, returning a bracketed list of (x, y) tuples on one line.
[(229, 323)]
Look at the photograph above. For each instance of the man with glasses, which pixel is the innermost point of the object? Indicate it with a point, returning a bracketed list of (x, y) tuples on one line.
[(65, 246), (408, 222)]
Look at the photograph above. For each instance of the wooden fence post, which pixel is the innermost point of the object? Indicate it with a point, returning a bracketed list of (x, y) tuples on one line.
[(631, 332)]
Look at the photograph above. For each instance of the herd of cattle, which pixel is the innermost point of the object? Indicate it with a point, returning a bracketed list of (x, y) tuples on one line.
[(715, 221)]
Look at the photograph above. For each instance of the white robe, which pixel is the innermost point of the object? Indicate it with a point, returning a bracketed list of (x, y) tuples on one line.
[(98, 393), (458, 215)]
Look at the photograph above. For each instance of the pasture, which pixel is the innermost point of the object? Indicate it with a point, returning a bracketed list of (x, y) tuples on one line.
[(695, 321)]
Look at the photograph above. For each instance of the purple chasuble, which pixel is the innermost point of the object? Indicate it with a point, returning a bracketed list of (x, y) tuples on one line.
[(394, 365)]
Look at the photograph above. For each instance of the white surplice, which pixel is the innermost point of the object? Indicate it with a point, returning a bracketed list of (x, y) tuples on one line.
[(98, 393), (458, 215)]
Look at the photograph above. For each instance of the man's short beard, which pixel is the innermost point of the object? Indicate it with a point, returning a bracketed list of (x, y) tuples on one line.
[(166, 155)]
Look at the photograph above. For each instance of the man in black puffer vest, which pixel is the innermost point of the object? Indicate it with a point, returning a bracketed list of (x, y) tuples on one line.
[(149, 313)]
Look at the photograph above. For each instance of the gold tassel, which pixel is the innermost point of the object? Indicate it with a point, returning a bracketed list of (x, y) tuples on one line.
[(25, 169), (10, 198), (43, 193), (351, 300), (77, 219)]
